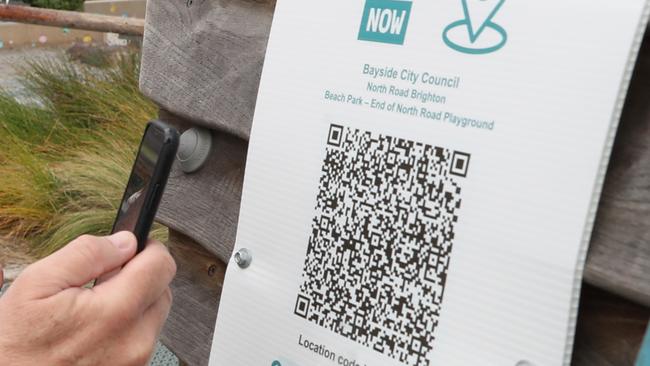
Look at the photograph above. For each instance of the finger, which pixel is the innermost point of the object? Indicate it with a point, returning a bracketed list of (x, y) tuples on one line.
[(146, 331), (141, 282), (81, 261), (155, 316)]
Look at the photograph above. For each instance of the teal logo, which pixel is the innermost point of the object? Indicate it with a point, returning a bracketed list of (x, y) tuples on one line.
[(476, 34), (385, 21)]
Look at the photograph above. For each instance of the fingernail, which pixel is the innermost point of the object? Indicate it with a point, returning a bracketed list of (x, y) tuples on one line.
[(122, 240)]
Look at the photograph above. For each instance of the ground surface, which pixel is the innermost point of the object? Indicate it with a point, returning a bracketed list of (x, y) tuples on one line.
[(11, 59)]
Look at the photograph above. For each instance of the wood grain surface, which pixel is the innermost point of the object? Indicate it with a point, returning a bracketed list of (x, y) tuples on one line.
[(619, 253), (196, 290), (203, 59), (205, 205), (610, 329)]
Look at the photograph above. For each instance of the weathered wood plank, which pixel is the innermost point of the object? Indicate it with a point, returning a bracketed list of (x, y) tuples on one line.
[(619, 255), (203, 61), (205, 204), (196, 290), (610, 329)]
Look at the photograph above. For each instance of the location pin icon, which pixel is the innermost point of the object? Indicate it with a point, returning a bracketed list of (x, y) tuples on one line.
[(478, 14)]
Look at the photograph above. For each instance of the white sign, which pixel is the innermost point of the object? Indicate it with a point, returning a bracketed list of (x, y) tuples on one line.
[(422, 180)]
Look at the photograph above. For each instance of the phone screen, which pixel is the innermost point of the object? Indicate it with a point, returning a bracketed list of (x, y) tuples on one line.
[(139, 181)]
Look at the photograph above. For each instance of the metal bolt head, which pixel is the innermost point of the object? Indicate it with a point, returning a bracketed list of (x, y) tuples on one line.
[(194, 149), (243, 258)]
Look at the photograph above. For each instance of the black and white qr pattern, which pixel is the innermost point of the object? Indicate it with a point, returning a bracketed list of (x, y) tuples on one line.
[(381, 241)]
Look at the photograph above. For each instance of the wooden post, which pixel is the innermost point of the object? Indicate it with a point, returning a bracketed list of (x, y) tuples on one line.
[(72, 19), (197, 291)]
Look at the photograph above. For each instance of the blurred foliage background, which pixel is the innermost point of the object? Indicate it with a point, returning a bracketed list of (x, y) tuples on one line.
[(56, 4), (65, 160)]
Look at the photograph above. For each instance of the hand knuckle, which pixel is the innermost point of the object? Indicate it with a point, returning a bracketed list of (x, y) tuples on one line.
[(84, 240), (124, 311), (169, 297), (86, 249), (169, 264), (116, 315)]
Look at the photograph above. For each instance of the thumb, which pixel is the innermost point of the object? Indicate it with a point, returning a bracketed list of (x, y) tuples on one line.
[(78, 263)]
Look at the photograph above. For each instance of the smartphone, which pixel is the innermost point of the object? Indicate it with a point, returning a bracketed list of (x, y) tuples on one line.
[(147, 181)]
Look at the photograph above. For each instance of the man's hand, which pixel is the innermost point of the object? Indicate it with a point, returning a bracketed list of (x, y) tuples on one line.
[(47, 317)]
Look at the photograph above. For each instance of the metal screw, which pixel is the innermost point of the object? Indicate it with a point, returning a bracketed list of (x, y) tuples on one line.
[(243, 258), (212, 270)]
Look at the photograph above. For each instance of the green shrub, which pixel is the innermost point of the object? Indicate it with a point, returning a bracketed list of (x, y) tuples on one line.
[(57, 4), (64, 163)]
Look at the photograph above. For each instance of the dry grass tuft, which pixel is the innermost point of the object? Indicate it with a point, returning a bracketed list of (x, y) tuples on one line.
[(64, 163)]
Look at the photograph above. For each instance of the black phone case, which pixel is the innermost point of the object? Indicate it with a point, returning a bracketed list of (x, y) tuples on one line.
[(159, 178)]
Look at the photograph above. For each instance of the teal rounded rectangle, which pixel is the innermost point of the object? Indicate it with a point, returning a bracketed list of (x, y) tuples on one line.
[(385, 21)]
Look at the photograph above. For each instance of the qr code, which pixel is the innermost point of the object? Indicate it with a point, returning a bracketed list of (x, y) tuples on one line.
[(381, 241)]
